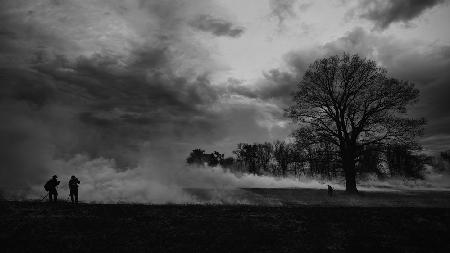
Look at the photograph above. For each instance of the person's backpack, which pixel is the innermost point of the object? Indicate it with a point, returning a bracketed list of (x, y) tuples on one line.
[(47, 186)]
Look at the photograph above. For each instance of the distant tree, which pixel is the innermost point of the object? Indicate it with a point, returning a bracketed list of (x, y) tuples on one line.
[(350, 102), (263, 155), (402, 161), (298, 159), (324, 155), (442, 162), (228, 162), (247, 154), (215, 158), (319, 156), (370, 160), (197, 156), (445, 155), (282, 153)]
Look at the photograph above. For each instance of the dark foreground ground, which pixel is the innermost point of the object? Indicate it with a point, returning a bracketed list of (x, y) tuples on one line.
[(43, 227)]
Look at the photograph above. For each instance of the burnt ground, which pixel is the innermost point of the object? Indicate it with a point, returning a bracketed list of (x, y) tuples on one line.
[(62, 227)]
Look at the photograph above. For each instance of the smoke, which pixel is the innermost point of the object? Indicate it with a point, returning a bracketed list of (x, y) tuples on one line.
[(161, 178), (154, 182), (103, 182), (217, 177), (432, 181)]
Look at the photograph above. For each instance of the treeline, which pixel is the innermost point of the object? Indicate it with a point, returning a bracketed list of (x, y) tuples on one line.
[(199, 157), (442, 162), (282, 158)]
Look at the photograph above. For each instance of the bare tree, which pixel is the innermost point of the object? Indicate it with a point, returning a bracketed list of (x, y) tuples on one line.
[(350, 102), (264, 153), (197, 156), (246, 154), (282, 153)]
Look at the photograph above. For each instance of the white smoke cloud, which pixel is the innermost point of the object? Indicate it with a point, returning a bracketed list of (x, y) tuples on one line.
[(433, 181), (103, 182), (153, 182)]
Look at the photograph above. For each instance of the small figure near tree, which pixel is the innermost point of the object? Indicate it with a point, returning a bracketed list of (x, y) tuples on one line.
[(50, 187), (350, 102), (330, 191), (73, 187)]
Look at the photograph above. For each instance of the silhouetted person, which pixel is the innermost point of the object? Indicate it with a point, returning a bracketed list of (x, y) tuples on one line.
[(73, 186), (330, 190), (50, 186)]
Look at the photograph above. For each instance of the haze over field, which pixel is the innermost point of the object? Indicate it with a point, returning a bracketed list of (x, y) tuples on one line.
[(119, 92)]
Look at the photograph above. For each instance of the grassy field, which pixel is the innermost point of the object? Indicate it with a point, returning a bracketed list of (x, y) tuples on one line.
[(319, 197), (290, 227)]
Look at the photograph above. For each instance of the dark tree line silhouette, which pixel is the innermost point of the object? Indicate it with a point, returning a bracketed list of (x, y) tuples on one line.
[(282, 159), (442, 162), (199, 157)]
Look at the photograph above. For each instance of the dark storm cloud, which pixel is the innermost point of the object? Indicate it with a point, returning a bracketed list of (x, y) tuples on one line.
[(25, 85), (218, 27), (144, 92), (109, 110), (279, 85), (133, 84), (385, 12), (275, 86)]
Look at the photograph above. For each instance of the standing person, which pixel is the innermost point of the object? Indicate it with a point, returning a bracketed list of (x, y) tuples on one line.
[(73, 186), (50, 186), (330, 191)]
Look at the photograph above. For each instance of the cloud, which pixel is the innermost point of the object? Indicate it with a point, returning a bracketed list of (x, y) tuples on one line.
[(136, 84), (133, 100), (278, 84), (283, 9), (385, 12), (275, 86), (217, 27)]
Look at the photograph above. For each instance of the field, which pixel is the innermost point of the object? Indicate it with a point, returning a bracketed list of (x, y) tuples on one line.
[(273, 220)]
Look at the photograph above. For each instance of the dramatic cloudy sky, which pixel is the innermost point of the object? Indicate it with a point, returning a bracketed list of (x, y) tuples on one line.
[(124, 78)]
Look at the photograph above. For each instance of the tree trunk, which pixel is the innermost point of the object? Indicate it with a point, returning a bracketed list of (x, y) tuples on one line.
[(350, 182), (350, 172)]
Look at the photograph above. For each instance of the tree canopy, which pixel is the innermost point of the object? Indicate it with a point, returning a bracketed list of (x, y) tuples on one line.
[(351, 102)]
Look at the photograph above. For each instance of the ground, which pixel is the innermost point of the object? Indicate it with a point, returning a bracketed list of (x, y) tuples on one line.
[(337, 226)]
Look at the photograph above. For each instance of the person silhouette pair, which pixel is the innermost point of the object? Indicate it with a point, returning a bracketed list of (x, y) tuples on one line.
[(52, 184)]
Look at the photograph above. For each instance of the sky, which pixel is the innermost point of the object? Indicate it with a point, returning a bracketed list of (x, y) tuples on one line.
[(130, 79)]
